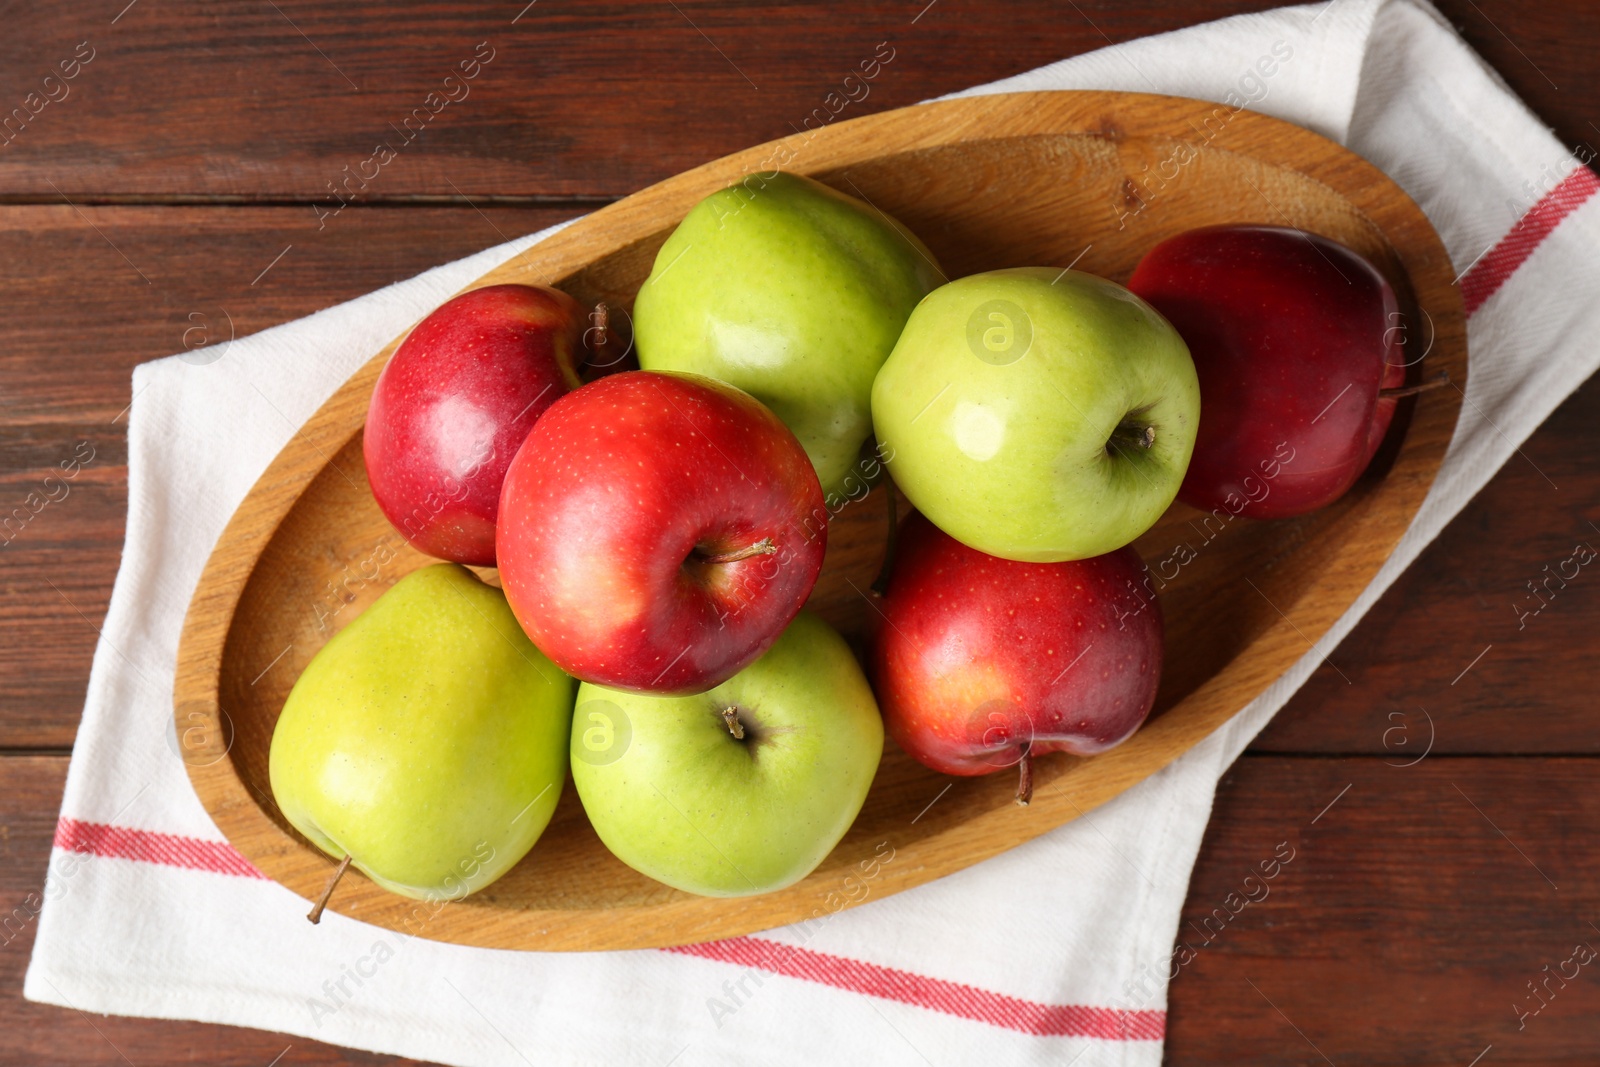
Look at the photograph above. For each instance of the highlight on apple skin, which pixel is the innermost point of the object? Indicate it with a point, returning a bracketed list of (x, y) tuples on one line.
[(1295, 338), (453, 405), (983, 663), (1038, 414), (740, 790), (658, 531)]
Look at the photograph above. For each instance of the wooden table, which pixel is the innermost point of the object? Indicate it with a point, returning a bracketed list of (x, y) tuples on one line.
[(185, 181)]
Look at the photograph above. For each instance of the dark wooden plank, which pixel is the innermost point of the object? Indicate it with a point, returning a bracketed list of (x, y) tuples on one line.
[(1407, 925), (30, 794), (55, 581), (108, 288), (1460, 649), (276, 100)]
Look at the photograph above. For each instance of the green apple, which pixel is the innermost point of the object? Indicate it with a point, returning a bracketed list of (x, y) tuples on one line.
[(1036, 414), (741, 789), (427, 740), (793, 292)]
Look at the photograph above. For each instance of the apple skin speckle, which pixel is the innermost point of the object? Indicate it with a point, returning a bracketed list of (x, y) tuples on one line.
[(957, 663)]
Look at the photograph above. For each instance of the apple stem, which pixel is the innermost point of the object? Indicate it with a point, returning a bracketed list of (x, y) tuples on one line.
[(763, 547), (730, 715), (1025, 776), (327, 891), (600, 320), (880, 584), (1413, 390)]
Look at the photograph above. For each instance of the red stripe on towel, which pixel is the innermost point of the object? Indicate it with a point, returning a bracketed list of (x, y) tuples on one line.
[(1490, 272), (937, 994), (870, 979), (147, 846)]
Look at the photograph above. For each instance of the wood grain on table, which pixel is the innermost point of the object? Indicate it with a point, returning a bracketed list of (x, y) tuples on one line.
[(187, 173)]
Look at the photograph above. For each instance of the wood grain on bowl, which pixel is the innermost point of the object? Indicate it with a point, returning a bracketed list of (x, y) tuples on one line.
[(1085, 178)]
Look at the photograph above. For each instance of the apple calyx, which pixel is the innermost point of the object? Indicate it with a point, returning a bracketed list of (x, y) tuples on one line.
[(1025, 776), (1130, 433), (730, 716), (315, 915), (1412, 390), (763, 547)]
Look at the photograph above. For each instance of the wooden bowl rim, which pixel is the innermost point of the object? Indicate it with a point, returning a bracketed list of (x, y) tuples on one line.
[(1113, 116)]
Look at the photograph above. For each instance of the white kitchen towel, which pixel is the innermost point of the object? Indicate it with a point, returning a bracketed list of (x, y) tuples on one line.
[(1055, 952)]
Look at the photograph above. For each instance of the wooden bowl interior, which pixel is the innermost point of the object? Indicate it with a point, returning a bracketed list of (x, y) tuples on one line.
[(1047, 199)]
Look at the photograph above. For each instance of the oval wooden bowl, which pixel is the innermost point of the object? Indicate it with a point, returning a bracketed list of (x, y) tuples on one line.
[(1091, 178)]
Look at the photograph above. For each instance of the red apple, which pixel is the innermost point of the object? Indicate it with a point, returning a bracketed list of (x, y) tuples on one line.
[(983, 663), (454, 404), (1293, 336), (658, 531)]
